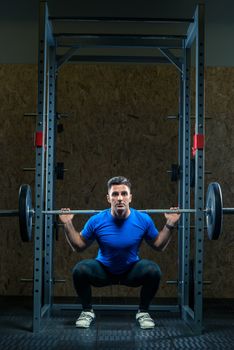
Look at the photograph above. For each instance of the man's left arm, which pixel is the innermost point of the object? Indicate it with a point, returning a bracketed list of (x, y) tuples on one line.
[(164, 236)]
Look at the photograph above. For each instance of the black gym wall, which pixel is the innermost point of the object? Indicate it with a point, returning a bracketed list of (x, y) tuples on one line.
[(117, 124)]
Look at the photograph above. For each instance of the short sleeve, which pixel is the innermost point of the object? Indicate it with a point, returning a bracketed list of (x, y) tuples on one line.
[(88, 231), (151, 231)]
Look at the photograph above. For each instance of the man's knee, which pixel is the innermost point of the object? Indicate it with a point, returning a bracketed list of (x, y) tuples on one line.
[(81, 269), (153, 271)]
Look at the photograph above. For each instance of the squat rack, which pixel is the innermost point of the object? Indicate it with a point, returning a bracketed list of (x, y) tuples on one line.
[(49, 61)]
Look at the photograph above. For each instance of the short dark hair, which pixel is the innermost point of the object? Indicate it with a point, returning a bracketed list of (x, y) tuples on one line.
[(118, 180)]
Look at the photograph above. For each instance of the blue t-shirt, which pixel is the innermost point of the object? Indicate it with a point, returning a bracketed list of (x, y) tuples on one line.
[(119, 239)]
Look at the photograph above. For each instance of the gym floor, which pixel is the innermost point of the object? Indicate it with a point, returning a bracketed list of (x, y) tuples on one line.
[(114, 329)]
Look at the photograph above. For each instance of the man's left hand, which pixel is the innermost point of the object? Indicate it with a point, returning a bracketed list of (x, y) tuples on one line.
[(172, 218)]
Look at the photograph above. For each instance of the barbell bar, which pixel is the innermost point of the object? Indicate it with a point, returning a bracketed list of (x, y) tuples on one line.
[(15, 212), (228, 211), (90, 212), (6, 213), (214, 211)]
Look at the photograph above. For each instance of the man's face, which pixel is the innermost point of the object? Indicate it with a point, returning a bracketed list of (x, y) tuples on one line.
[(119, 197)]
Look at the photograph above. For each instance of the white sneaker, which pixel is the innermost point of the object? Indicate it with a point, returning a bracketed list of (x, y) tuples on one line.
[(85, 319), (144, 320)]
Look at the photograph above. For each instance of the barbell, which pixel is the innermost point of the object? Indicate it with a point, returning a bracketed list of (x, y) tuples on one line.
[(214, 211)]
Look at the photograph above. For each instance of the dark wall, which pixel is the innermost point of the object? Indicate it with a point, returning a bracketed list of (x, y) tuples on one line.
[(117, 125)]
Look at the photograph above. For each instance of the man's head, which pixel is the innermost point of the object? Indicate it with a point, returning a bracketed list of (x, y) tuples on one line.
[(119, 196), (118, 180)]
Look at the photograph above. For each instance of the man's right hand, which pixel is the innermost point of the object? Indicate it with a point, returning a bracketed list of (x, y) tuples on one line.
[(65, 218)]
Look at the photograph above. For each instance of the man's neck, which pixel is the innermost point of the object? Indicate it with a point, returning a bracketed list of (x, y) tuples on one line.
[(125, 216)]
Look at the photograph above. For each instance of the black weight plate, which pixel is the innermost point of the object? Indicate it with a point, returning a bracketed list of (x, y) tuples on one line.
[(25, 213), (214, 211)]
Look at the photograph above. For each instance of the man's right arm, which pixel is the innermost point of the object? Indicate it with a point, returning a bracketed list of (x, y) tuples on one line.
[(75, 238)]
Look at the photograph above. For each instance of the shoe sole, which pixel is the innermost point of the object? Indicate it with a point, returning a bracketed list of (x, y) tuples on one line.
[(79, 326)]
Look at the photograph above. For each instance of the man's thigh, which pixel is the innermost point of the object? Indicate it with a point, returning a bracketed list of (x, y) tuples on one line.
[(93, 271), (136, 276)]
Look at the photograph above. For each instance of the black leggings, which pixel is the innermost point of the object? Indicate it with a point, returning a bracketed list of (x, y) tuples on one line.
[(91, 272)]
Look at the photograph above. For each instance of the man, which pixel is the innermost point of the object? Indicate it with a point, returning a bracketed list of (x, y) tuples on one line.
[(119, 232)]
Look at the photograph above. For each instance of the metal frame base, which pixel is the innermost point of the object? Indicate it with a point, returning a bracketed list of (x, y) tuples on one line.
[(117, 307)]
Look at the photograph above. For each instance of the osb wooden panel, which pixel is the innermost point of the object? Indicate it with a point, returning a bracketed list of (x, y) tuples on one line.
[(118, 119), (219, 159), (117, 125), (18, 94)]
